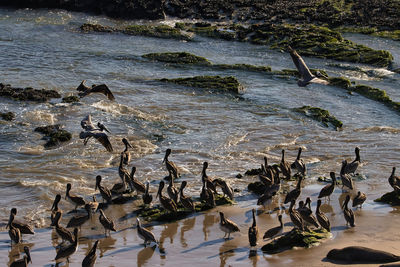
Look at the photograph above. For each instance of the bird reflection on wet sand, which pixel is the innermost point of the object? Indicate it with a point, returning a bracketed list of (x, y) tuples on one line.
[(209, 220), (144, 255), (187, 225)]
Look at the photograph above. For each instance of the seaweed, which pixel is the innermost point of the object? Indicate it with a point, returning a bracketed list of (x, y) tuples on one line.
[(7, 116), (71, 99), (177, 57), (391, 198), (320, 115), (54, 135)]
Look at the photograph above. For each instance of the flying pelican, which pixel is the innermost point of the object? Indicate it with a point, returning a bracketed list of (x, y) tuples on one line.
[(97, 133), (101, 88)]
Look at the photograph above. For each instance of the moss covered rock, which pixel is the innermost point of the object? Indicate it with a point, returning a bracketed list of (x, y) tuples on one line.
[(320, 115), (54, 135), (339, 82), (246, 67), (178, 58), (71, 99), (392, 198), (7, 116), (224, 84), (296, 238), (27, 94)]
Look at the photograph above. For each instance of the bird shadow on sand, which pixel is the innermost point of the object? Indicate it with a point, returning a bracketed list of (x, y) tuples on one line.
[(204, 244)]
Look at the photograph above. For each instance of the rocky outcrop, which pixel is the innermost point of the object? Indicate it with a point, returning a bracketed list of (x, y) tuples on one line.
[(27, 94)]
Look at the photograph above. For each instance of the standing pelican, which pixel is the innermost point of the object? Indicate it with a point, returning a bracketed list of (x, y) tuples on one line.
[(90, 258), (227, 226), (24, 261), (394, 180), (298, 164), (13, 232), (62, 232), (93, 204), (359, 199), (204, 177), (124, 173), (107, 223), (207, 195), (97, 133), (126, 155), (23, 227), (139, 186), (167, 203), (145, 234), (346, 179), (295, 216), (253, 231), (306, 76), (276, 231), (75, 200), (307, 216), (147, 198), (101, 88), (171, 167), (348, 213), (54, 208), (187, 202), (352, 166), (226, 189), (66, 251), (104, 191), (285, 166), (327, 190), (173, 193), (295, 193), (321, 217)]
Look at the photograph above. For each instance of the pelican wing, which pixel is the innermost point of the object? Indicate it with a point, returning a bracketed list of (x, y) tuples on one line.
[(301, 66), (102, 88), (87, 124), (103, 139)]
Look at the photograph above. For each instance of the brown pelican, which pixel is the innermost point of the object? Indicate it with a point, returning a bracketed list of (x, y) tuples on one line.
[(306, 76), (107, 223), (104, 191), (295, 216), (348, 213), (394, 180), (171, 167), (298, 164), (327, 190), (227, 226), (75, 200), (90, 258), (226, 189), (119, 188), (346, 179), (207, 195), (209, 183), (24, 228), (266, 198), (62, 232), (24, 261), (97, 133), (321, 217), (167, 203), (126, 155), (65, 251), (145, 234), (54, 208), (173, 193), (93, 204), (253, 231), (285, 166), (13, 232), (147, 198), (352, 166), (307, 216), (139, 186), (276, 231), (359, 199), (79, 220), (102, 88), (187, 202), (295, 193)]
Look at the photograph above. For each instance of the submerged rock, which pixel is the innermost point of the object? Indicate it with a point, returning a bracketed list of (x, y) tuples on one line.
[(178, 57), (224, 84), (7, 116), (54, 135), (27, 94), (71, 99), (320, 115), (296, 238), (392, 198)]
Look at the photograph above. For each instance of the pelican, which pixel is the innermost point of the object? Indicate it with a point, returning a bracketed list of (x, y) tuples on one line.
[(295, 216), (171, 167), (97, 133), (101, 88), (90, 258), (23, 227), (321, 217), (13, 232), (93, 204), (139, 186), (62, 232), (79, 220), (147, 198), (104, 191), (207, 195), (75, 200), (266, 198), (295, 193), (24, 261), (54, 208), (167, 203), (276, 231), (173, 193), (226, 189), (227, 226), (285, 166), (394, 180), (298, 164), (66, 251), (253, 231), (124, 173), (352, 166), (145, 234), (107, 223), (187, 202), (327, 190), (126, 155), (346, 179), (209, 183), (307, 216), (348, 213), (359, 199), (306, 76)]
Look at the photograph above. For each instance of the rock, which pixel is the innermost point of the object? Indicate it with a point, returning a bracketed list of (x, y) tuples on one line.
[(392, 198), (339, 82), (7, 116), (27, 94), (253, 172), (320, 115), (71, 99), (257, 188), (178, 58), (54, 135)]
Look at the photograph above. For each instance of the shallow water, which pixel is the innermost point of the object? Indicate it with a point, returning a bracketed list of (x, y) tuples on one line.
[(44, 49)]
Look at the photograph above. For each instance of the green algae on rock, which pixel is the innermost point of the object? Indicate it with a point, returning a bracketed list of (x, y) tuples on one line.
[(246, 67), (388, 34), (296, 238), (178, 57), (224, 84), (54, 135), (7, 116), (340, 82), (391, 198), (27, 94), (71, 99), (320, 115)]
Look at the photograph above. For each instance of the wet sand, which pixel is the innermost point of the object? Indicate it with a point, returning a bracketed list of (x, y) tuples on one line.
[(197, 240)]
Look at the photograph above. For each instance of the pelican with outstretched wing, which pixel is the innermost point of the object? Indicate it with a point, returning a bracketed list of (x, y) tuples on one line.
[(97, 133), (101, 88)]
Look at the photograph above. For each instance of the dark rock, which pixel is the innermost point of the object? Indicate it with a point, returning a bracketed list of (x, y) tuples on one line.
[(27, 94), (178, 57), (257, 187), (7, 116), (320, 115), (392, 198), (54, 135), (71, 99), (253, 172)]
